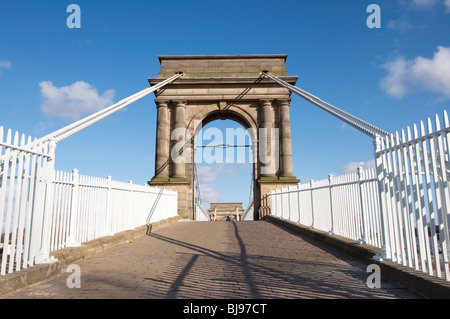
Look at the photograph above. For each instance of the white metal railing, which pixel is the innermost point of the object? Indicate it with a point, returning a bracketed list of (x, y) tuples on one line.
[(86, 208), (42, 210), (413, 176), (403, 207), (343, 205), (248, 213), (25, 195), (200, 214)]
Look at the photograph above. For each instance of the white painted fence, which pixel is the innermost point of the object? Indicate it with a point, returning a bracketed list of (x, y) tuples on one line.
[(24, 181), (403, 208), (413, 174), (102, 207), (43, 210), (248, 212), (200, 214), (343, 205)]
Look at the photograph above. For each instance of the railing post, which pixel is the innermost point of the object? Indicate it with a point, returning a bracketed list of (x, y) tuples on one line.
[(262, 208), (289, 202), (130, 205), (363, 239), (380, 171), (312, 202), (108, 207), (49, 176), (71, 238), (330, 181), (298, 201)]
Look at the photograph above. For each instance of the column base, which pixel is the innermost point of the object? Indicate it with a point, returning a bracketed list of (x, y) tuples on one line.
[(178, 178), (268, 177), (159, 179), (165, 179), (288, 178)]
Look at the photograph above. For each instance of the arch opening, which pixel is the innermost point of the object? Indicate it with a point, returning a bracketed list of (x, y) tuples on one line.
[(224, 160)]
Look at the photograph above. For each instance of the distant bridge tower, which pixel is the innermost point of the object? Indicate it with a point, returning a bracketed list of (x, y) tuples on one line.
[(223, 87)]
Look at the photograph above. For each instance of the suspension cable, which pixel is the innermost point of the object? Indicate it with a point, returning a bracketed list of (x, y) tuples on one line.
[(362, 126), (77, 126)]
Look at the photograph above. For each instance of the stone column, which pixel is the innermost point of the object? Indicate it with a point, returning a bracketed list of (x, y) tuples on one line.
[(266, 151), (180, 127), (285, 139), (162, 141)]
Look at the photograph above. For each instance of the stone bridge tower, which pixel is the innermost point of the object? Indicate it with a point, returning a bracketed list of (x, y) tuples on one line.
[(222, 87)]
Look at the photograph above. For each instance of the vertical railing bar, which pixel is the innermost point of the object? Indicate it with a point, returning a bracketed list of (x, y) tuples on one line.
[(444, 189), (397, 220), (429, 194)]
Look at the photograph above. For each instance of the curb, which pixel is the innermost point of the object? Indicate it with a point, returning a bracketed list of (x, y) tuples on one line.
[(421, 283), (67, 256)]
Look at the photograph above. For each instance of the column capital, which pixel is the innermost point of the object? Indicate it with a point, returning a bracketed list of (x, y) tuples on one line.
[(161, 103), (265, 102), (179, 103), (286, 101)]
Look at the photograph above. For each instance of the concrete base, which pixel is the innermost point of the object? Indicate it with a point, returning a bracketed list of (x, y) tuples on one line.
[(416, 281)]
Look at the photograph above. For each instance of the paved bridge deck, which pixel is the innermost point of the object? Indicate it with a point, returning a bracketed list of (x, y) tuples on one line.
[(217, 260)]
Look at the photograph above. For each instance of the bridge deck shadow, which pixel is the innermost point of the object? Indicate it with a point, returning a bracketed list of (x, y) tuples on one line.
[(218, 260), (266, 271)]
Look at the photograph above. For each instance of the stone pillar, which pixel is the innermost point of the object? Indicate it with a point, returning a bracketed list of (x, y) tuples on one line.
[(266, 151), (285, 140), (180, 127), (162, 142)]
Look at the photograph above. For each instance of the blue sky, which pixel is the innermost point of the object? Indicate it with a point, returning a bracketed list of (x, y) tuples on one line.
[(392, 77)]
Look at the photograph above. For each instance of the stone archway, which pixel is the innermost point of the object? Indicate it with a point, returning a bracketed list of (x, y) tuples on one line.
[(222, 87)]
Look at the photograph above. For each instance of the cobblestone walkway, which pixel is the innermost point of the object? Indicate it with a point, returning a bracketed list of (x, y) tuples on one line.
[(217, 260)]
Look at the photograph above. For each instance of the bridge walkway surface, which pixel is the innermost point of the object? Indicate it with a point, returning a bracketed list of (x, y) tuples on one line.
[(217, 260)]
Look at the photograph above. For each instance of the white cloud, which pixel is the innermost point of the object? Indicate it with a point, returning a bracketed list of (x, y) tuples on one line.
[(400, 25), (427, 4), (5, 65), (447, 6), (207, 175), (209, 194), (353, 166), (73, 101), (395, 82), (423, 4), (405, 76)]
